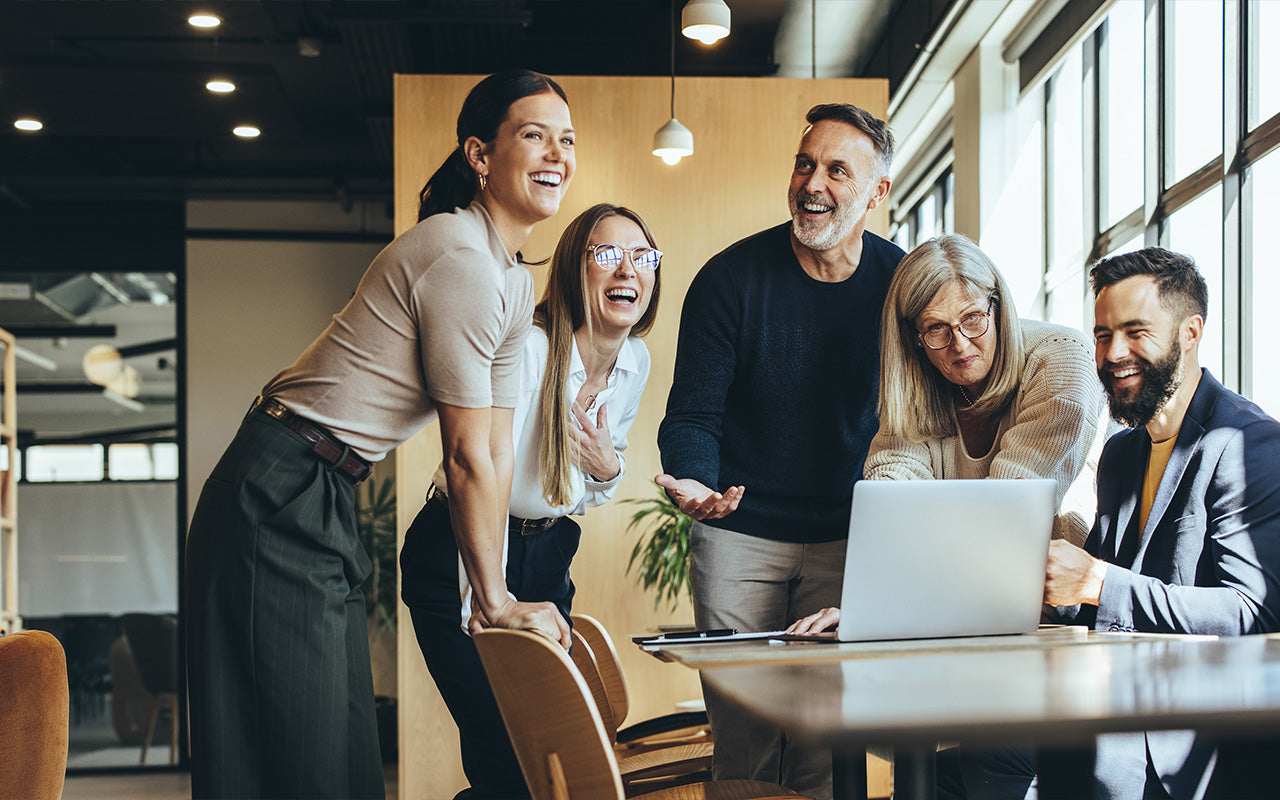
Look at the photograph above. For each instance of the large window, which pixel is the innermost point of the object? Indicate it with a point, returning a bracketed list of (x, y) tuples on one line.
[(1136, 116), (929, 209), (80, 463)]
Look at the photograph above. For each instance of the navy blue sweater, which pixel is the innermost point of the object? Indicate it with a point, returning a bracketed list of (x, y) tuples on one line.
[(776, 384)]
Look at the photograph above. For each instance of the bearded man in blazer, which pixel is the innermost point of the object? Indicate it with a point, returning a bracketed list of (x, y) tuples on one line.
[(1187, 537)]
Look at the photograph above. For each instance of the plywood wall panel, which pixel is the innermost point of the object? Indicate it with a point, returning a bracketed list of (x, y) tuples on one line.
[(745, 133)]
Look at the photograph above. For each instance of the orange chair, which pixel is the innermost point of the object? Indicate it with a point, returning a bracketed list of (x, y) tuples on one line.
[(35, 707)]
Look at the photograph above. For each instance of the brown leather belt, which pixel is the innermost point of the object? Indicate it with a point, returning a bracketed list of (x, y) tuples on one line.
[(323, 444), (524, 527)]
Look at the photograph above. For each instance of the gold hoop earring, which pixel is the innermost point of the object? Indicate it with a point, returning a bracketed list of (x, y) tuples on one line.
[(484, 183)]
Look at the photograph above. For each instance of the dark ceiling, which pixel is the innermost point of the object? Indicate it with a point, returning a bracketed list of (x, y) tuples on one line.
[(130, 132), (119, 84)]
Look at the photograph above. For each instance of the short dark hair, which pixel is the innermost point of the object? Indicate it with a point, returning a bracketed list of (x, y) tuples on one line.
[(1179, 285), (877, 130)]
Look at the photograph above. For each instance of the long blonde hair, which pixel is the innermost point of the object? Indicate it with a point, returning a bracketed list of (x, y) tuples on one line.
[(561, 311), (915, 399)]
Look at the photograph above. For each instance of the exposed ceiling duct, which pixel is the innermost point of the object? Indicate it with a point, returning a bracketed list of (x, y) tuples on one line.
[(830, 39)]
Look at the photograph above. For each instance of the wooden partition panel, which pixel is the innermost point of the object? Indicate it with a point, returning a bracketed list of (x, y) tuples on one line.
[(745, 135)]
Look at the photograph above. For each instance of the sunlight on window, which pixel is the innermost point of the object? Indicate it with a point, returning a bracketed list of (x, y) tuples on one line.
[(1066, 190), (165, 457), (1266, 73), (1196, 230), (927, 215), (1193, 60), (64, 462), (129, 462), (1264, 185), (1123, 135), (1128, 247)]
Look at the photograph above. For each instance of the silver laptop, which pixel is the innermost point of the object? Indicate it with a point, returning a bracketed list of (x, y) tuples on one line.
[(936, 558)]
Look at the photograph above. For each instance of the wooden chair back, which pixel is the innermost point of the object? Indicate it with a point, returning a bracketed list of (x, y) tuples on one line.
[(608, 663), (551, 716), (584, 658)]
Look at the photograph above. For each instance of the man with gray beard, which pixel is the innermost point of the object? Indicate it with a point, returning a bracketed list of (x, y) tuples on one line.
[(772, 410)]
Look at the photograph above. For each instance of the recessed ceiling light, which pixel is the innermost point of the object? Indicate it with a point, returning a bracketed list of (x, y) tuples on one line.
[(28, 124), (204, 21), (246, 131), (220, 86)]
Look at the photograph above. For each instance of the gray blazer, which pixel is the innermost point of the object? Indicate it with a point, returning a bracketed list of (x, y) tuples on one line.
[(1207, 561)]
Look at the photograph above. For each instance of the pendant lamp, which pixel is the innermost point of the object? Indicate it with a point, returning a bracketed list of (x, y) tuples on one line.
[(673, 141), (705, 20)]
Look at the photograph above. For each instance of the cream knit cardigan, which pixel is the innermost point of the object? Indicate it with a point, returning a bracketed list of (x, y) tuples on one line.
[(1052, 430)]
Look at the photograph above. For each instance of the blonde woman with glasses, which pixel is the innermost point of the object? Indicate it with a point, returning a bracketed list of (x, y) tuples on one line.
[(969, 390), (583, 372)]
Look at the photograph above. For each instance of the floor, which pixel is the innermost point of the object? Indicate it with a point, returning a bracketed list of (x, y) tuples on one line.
[(159, 785)]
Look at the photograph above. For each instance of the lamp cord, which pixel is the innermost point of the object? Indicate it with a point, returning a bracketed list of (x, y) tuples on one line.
[(673, 59)]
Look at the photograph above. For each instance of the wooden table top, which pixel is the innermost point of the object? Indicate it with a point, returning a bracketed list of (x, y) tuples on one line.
[(701, 655), (1057, 688)]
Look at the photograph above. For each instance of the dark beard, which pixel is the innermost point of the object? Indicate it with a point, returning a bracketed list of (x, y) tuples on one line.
[(1160, 380)]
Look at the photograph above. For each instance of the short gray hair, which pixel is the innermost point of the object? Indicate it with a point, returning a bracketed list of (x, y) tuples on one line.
[(876, 129)]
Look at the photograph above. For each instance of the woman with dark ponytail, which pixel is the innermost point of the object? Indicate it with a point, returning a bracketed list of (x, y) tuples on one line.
[(280, 685), (582, 376)]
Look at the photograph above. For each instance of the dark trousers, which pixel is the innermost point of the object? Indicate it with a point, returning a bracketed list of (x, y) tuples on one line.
[(277, 646), (537, 570)]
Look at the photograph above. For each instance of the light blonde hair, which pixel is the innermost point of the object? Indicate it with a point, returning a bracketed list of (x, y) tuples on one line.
[(562, 310), (916, 401)]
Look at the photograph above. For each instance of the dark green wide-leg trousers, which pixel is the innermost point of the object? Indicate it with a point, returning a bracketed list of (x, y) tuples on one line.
[(278, 654)]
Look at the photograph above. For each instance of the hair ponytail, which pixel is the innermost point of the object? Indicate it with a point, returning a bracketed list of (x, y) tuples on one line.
[(452, 186)]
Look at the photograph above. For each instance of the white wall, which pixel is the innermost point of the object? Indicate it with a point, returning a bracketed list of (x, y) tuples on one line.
[(253, 306), (98, 548)]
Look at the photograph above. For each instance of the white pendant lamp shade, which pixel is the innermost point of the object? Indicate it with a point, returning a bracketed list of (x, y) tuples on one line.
[(705, 20), (673, 142)]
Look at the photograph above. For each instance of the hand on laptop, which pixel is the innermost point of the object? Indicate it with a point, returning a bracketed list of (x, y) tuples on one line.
[(816, 623), (696, 500)]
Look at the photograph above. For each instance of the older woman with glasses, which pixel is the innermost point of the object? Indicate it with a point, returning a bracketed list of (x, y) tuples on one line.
[(583, 372), (968, 390)]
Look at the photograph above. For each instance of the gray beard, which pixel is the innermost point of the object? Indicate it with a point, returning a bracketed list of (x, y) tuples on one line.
[(844, 220)]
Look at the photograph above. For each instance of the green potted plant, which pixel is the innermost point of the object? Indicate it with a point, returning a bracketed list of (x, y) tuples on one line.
[(661, 556), (376, 525)]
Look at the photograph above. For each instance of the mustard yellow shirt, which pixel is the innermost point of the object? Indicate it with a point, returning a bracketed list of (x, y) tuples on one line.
[(1157, 460)]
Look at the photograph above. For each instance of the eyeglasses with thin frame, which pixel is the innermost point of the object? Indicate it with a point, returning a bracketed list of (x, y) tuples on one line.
[(609, 256), (938, 337)]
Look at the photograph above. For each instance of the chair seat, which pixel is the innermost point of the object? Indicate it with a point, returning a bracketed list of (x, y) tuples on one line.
[(666, 761), (723, 790)]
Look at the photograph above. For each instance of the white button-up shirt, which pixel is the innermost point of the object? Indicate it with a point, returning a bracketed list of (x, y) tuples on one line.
[(621, 396)]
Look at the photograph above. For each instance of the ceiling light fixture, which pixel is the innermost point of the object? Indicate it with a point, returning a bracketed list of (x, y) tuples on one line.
[(673, 141), (204, 21), (705, 20), (246, 131), (28, 124), (219, 86)]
